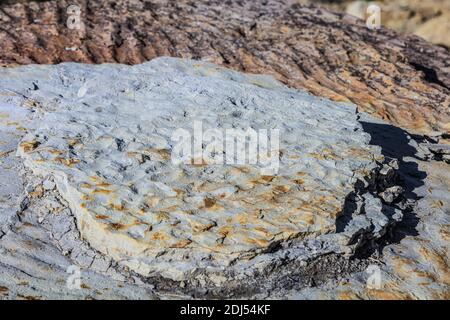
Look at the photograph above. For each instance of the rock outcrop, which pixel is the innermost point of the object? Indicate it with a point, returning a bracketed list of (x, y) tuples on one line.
[(107, 137), (372, 201), (401, 79), (428, 19)]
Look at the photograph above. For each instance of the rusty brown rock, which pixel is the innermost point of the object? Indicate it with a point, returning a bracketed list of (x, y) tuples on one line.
[(402, 79)]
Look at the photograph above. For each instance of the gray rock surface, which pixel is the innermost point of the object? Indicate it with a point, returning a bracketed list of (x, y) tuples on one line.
[(130, 217)]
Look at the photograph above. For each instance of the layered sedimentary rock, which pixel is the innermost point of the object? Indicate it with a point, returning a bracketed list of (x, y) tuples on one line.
[(427, 19), (98, 140), (107, 135), (401, 79)]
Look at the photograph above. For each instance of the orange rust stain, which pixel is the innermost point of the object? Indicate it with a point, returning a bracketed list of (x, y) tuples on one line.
[(199, 227), (159, 235), (164, 153), (437, 204), (117, 207), (360, 153), (439, 261), (85, 197), (85, 286), (37, 193), (348, 295), (117, 226), (169, 209), (101, 217), (257, 242), (181, 244), (282, 189), (73, 142), (242, 218), (445, 233), (29, 146), (316, 155), (263, 231), (67, 162), (179, 192), (55, 151), (209, 202), (103, 185), (6, 153), (387, 295), (132, 154), (224, 231), (198, 164), (243, 169), (267, 178), (162, 216), (306, 217), (101, 191)]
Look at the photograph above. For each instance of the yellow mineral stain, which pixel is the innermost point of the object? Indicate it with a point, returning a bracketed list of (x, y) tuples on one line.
[(181, 244), (117, 207), (37, 193), (70, 162), (117, 226), (159, 236), (29, 146), (103, 185), (101, 191)]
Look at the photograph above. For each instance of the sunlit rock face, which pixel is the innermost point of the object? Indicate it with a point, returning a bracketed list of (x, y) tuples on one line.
[(108, 135)]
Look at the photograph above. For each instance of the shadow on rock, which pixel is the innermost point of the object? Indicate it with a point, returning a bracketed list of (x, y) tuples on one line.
[(395, 144)]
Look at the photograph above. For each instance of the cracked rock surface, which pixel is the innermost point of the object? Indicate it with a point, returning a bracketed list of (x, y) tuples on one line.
[(109, 150), (399, 78), (93, 166), (146, 221)]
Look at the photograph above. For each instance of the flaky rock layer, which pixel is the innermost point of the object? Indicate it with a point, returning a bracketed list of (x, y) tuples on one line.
[(402, 79), (106, 134)]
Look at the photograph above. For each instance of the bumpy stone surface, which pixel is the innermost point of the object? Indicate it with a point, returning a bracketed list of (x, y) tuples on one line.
[(106, 137), (402, 79), (39, 238), (417, 264)]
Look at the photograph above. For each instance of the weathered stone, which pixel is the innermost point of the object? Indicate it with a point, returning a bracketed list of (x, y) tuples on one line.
[(390, 194), (146, 213), (402, 79)]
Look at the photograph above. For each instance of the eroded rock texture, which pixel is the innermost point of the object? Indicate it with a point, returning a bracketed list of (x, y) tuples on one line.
[(93, 162), (401, 79), (428, 19), (107, 136)]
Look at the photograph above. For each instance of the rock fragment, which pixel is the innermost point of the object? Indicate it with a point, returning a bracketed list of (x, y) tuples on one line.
[(134, 204)]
